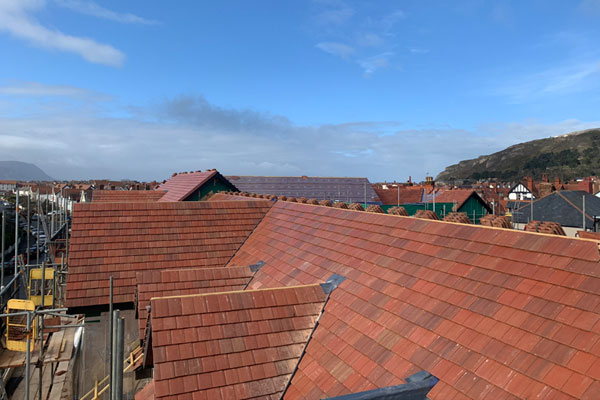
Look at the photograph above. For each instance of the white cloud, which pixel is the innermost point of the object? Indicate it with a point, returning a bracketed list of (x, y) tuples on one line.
[(418, 50), (369, 39), (36, 89), (190, 133), (95, 10), (16, 19), (373, 63), (336, 49), (335, 13), (575, 77)]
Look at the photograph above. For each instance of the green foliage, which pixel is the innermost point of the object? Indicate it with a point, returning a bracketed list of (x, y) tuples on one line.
[(541, 162)]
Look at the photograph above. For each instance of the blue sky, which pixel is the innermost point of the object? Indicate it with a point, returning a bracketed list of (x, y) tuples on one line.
[(139, 89)]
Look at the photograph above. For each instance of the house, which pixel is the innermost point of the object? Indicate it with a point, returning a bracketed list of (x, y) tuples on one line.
[(120, 239), (586, 184), (343, 302), (8, 186), (194, 186), (291, 300), (458, 200), (395, 195), (523, 190), (564, 207), (348, 190)]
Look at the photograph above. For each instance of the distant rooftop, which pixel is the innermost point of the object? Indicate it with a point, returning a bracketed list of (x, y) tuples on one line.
[(350, 190)]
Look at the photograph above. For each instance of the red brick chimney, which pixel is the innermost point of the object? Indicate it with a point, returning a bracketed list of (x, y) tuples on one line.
[(588, 185), (529, 180), (429, 183)]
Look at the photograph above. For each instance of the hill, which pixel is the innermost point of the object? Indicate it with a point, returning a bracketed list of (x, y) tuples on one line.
[(567, 156), (22, 171)]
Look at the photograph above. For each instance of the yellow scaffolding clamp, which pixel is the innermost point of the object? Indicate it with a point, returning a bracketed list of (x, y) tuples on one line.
[(16, 326), (35, 285)]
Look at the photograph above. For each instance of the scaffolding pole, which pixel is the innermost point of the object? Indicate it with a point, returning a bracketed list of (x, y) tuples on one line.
[(3, 232), (110, 329), (52, 214), (119, 358), (41, 356), (28, 358), (37, 224), (114, 352), (16, 231), (28, 226)]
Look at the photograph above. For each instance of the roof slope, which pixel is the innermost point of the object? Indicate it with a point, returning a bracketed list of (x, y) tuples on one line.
[(451, 196), (181, 186), (128, 196), (239, 345), (589, 235), (391, 197), (563, 206), (120, 239), (349, 190), (225, 196), (184, 282), (147, 393), (492, 313)]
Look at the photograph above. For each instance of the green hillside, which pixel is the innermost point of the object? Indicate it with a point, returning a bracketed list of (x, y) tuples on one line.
[(568, 156)]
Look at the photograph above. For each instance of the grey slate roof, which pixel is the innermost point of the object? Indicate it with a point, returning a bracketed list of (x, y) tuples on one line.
[(342, 189), (563, 206)]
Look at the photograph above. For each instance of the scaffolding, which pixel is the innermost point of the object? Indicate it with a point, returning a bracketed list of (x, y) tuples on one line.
[(35, 328)]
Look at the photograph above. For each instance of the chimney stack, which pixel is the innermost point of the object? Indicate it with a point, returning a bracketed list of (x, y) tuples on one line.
[(545, 178), (529, 180)]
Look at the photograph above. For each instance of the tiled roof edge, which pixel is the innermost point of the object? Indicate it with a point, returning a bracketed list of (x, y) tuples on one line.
[(235, 291), (328, 287), (181, 198)]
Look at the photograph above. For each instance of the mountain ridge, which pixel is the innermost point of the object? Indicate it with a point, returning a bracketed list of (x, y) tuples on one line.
[(566, 156), (22, 171)]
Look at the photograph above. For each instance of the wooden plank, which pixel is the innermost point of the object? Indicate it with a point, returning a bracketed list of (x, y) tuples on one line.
[(60, 378), (34, 379), (14, 359), (55, 345), (68, 342), (47, 380)]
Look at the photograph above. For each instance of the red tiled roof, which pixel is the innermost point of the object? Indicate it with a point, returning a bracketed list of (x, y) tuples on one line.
[(499, 221), (549, 227), (398, 211), (588, 235), (180, 186), (389, 197), (492, 313), (225, 196), (128, 196), (184, 282), (230, 345), (450, 196), (426, 214), (120, 239), (458, 217), (147, 393)]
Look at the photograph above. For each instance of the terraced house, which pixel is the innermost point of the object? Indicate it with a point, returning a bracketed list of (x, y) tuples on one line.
[(248, 297)]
